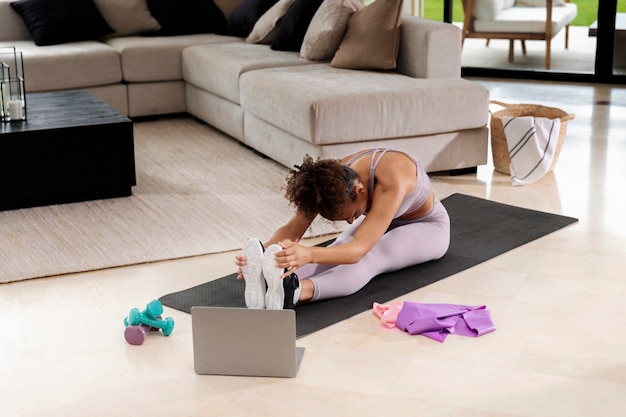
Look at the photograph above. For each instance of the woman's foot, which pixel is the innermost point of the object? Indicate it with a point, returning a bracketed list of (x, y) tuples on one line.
[(252, 271), (280, 291)]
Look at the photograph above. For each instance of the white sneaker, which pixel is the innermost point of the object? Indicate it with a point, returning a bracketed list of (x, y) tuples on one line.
[(254, 292), (275, 295)]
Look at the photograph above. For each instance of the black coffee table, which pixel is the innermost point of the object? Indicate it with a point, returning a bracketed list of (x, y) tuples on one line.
[(73, 147)]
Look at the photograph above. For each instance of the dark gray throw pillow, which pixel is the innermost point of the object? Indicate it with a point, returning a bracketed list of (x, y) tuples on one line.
[(185, 17), (293, 26), (246, 15), (51, 22)]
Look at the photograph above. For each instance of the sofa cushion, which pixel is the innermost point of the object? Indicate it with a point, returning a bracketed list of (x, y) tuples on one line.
[(52, 22), (537, 3), (293, 26), (321, 104), (245, 16), (327, 28), (489, 9), (127, 17), (157, 58), (185, 17), (227, 62), (528, 20), (265, 28), (69, 66), (372, 38)]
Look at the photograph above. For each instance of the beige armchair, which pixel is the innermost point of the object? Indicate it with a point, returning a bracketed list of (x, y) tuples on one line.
[(518, 20)]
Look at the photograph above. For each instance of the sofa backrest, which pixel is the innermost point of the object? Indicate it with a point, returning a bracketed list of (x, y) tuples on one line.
[(489, 9), (12, 27), (429, 49), (227, 6)]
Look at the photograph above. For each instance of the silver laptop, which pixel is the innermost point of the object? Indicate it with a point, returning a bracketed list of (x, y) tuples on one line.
[(247, 342)]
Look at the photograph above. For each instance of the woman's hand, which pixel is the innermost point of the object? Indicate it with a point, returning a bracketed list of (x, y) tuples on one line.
[(293, 256), (240, 261)]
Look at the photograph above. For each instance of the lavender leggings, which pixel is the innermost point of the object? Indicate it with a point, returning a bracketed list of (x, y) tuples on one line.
[(406, 243)]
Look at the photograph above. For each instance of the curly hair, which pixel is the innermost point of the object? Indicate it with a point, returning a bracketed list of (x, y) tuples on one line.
[(324, 186)]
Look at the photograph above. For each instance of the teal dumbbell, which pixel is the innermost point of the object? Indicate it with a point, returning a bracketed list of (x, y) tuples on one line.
[(154, 309), (136, 317)]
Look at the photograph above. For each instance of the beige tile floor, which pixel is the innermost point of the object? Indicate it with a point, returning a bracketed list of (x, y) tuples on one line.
[(558, 304)]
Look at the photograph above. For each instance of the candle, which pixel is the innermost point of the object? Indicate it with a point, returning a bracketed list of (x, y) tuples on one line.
[(4, 103), (16, 109)]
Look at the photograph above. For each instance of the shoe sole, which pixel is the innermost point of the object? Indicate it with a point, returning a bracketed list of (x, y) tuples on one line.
[(275, 295), (254, 293)]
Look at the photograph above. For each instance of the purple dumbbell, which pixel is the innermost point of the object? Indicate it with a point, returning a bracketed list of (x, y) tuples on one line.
[(136, 317), (136, 335)]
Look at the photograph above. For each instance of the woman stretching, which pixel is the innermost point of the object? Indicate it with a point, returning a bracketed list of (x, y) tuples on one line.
[(394, 219)]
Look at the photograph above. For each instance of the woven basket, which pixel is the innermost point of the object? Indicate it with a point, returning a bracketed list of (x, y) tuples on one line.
[(499, 146)]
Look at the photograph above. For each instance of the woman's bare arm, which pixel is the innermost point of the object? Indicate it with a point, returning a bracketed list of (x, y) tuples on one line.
[(293, 230)]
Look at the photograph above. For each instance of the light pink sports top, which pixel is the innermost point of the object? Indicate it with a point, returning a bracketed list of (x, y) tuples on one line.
[(412, 201)]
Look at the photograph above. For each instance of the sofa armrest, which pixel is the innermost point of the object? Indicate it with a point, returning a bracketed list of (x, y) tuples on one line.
[(12, 27), (429, 49)]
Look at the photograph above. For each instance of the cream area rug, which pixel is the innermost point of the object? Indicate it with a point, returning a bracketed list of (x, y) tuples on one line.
[(198, 192)]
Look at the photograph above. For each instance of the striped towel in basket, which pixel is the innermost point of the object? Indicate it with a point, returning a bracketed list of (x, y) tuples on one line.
[(532, 142)]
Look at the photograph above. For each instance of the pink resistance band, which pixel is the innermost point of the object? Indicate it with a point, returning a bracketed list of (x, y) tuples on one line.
[(436, 321)]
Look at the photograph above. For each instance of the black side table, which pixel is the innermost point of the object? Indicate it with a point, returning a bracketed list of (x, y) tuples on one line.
[(73, 147)]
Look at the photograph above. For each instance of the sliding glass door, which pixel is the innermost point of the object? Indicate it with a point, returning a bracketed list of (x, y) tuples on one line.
[(593, 48)]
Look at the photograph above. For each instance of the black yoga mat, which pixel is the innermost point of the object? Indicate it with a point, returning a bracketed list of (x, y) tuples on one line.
[(480, 230)]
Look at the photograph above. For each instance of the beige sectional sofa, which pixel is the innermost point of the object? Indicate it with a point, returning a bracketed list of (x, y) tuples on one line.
[(276, 101)]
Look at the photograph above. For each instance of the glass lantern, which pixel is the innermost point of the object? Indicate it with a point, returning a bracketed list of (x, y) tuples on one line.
[(12, 92)]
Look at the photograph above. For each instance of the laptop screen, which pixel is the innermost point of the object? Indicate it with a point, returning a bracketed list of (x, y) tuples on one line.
[(247, 342)]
